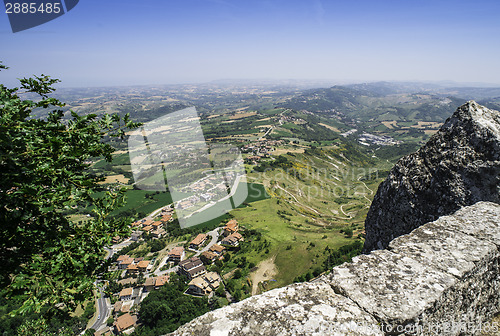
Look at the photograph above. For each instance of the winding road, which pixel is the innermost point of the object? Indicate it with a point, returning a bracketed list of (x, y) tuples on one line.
[(102, 310), (103, 307)]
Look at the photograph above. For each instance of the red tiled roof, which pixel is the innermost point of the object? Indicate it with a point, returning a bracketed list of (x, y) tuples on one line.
[(236, 235), (124, 322), (126, 292), (161, 280), (217, 248), (232, 225), (143, 264), (123, 257), (199, 239), (176, 251)]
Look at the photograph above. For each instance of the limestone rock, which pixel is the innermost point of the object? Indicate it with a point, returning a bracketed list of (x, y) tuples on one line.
[(394, 288), (434, 275), (299, 309), (458, 166)]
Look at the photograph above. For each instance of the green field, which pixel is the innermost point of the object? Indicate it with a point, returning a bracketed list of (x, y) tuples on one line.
[(314, 198), (296, 250), (137, 202)]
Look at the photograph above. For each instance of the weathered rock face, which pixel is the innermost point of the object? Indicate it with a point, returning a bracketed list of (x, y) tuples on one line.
[(459, 166), (299, 309), (441, 279), (446, 271)]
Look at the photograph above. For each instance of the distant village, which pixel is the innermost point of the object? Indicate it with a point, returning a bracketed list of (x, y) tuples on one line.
[(259, 150)]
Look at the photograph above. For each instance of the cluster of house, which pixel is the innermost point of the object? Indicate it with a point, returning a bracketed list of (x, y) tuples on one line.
[(205, 189), (231, 235), (215, 252), (125, 322), (201, 282), (150, 226), (198, 241), (176, 254), (382, 140), (155, 227), (259, 150), (132, 265), (133, 292)]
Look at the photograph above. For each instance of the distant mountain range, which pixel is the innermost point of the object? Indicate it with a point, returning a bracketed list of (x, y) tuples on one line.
[(391, 100)]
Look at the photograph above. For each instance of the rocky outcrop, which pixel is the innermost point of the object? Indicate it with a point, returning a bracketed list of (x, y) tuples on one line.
[(299, 309), (441, 279), (458, 166)]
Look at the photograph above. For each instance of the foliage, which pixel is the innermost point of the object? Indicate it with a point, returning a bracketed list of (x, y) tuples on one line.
[(347, 231), (393, 153), (164, 310), (156, 245), (40, 328), (61, 323), (343, 254), (280, 162), (46, 260), (334, 257)]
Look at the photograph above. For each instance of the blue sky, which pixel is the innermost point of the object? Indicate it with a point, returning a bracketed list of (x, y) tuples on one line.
[(127, 42)]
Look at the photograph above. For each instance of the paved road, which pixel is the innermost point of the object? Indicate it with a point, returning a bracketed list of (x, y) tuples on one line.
[(214, 234), (123, 244), (168, 271), (102, 310), (110, 252)]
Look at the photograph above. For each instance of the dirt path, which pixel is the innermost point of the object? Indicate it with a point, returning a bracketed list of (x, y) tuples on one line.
[(371, 193), (266, 270), (346, 214), (296, 200)]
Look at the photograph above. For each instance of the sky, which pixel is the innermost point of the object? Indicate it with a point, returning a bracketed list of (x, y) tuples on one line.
[(141, 42)]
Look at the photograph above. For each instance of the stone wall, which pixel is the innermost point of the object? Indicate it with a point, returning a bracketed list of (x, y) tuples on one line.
[(441, 279)]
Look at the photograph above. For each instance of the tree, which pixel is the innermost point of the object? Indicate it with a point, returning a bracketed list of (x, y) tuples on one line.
[(40, 328), (237, 295), (46, 260), (156, 245), (164, 310), (220, 291), (348, 232), (237, 274)]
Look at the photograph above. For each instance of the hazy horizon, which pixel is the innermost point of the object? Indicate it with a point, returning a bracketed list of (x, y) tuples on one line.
[(298, 83), (129, 43)]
